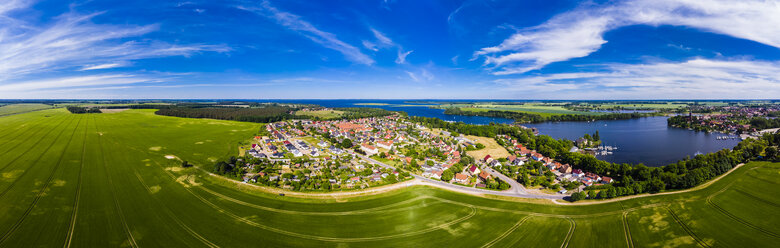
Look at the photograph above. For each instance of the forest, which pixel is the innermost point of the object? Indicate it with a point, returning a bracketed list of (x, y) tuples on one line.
[(83, 110), (521, 117), (260, 115), (630, 179)]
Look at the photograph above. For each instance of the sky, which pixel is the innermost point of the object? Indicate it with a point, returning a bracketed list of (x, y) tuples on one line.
[(390, 49)]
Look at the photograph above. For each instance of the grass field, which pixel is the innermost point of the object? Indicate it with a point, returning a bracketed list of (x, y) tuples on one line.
[(322, 114), (103, 180), (22, 108), (529, 108), (492, 148)]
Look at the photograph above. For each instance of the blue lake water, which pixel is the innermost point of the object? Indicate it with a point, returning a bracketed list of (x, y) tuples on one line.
[(645, 140)]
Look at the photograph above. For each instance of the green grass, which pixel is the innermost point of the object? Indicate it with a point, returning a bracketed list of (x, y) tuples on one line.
[(322, 114), (21, 108), (97, 180)]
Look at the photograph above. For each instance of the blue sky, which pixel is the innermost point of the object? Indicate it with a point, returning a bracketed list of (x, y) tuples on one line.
[(390, 49)]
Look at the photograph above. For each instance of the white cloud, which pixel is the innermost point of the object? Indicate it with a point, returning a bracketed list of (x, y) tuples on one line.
[(401, 59), (306, 29), (102, 66), (692, 79), (382, 38), (370, 46), (413, 76), (423, 76), (8, 90), (71, 40), (579, 32)]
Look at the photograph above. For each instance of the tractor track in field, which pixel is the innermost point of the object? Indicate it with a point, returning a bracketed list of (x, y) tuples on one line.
[(34, 145), (18, 128), (5, 191), (74, 213), (128, 232), (355, 212), (734, 217), (176, 219), (757, 198), (43, 189), (627, 230), (572, 227), (508, 231), (687, 228)]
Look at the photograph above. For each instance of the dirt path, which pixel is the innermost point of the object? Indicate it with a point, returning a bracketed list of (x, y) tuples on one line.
[(704, 185)]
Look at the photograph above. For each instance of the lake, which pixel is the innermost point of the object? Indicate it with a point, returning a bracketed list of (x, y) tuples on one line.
[(645, 140)]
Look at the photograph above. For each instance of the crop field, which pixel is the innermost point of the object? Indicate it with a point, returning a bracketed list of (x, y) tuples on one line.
[(21, 108), (644, 105), (113, 180), (322, 114)]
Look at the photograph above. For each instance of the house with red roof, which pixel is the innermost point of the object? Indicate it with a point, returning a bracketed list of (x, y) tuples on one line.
[(461, 178), (473, 170)]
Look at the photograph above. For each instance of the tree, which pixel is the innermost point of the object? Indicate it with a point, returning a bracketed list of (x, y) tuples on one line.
[(184, 164), (480, 146), (596, 136), (578, 196), (346, 143), (770, 152), (447, 175)]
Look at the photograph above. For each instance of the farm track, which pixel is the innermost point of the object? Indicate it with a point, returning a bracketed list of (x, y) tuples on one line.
[(128, 232), (34, 145), (173, 216), (572, 227), (18, 127), (745, 193), (687, 228), (734, 217), (508, 231), (332, 239), (33, 163), (75, 211), (355, 212), (627, 230), (43, 189)]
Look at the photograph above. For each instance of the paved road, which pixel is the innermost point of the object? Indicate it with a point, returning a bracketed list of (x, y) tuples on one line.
[(517, 190)]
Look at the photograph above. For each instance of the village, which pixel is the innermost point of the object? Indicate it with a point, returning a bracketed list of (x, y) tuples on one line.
[(369, 152)]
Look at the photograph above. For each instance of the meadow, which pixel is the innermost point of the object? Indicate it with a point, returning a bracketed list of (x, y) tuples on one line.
[(321, 114), (114, 180), (21, 108)]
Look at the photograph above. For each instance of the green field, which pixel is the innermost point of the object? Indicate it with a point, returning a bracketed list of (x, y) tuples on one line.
[(544, 110), (21, 108), (322, 114), (103, 180)]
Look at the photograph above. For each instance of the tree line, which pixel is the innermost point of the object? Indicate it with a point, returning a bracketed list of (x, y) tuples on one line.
[(521, 117), (629, 179), (83, 110), (260, 115)]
